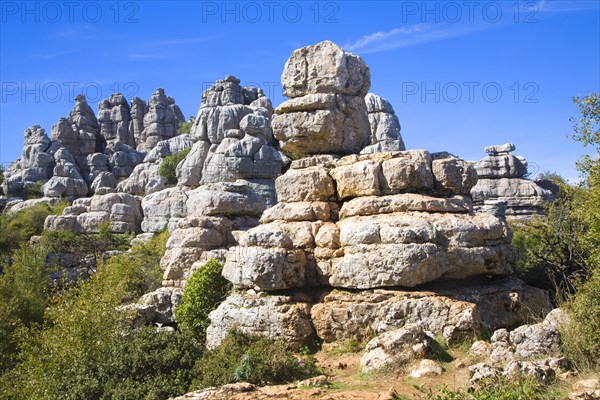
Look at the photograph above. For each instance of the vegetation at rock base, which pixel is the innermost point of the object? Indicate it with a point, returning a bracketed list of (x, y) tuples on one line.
[(495, 389), (18, 227), (203, 292), (186, 127), (76, 350), (168, 166), (560, 250), (251, 358)]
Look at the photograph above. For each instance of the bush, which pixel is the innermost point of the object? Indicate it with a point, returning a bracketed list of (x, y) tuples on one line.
[(23, 297), (203, 292), (494, 389), (19, 227), (84, 345), (168, 166), (581, 338), (251, 358), (34, 191), (186, 127)]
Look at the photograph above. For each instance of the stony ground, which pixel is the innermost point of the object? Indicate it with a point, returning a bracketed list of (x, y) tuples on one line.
[(345, 381)]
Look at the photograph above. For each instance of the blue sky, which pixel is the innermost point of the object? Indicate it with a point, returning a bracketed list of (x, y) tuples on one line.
[(461, 75)]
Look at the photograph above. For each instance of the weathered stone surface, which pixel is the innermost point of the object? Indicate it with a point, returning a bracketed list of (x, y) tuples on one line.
[(501, 166), (452, 175), (157, 307), (168, 147), (306, 184), (114, 117), (65, 182), (405, 202), (325, 68), (104, 183), (122, 211), (587, 389), (522, 197), (454, 313), (500, 149), (342, 128), (357, 179), (35, 164), (160, 122), (395, 348), (236, 198), (408, 171), (161, 207), (144, 179), (327, 111), (270, 316), (385, 128), (426, 368), (501, 179), (300, 211), (79, 133), (409, 249)]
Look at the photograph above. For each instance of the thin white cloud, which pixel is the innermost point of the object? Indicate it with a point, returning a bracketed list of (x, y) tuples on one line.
[(145, 56), (408, 36)]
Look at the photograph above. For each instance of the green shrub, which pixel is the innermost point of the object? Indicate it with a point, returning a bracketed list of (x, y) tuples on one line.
[(203, 292), (581, 338), (34, 191), (84, 344), (17, 228), (251, 358), (23, 297), (186, 127), (494, 389), (168, 166)]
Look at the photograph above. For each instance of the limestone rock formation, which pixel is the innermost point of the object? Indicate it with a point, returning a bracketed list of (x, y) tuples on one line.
[(35, 164), (160, 121), (114, 117), (501, 177), (79, 133), (403, 244), (122, 211), (96, 146), (232, 137), (326, 112), (374, 224), (385, 127)]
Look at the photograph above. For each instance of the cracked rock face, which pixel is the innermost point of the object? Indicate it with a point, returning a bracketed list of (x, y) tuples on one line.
[(385, 127)]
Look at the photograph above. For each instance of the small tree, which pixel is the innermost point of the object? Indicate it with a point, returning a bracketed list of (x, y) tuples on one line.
[(186, 127), (203, 292), (168, 167)]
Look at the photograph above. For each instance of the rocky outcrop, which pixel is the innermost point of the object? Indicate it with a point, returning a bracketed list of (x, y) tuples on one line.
[(114, 117), (375, 224), (326, 112), (35, 164), (501, 177), (232, 137), (121, 211), (160, 121), (96, 146), (385, 127)]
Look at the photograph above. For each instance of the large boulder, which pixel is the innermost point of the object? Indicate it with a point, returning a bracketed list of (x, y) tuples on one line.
[(326, 112)]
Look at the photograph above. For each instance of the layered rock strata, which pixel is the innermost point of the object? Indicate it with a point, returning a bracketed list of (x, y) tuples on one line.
[(501, 177)]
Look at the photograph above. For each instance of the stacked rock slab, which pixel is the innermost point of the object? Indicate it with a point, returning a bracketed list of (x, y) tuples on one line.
[(86, 215), (326, 112), (225, 148), (234, 163), (95, 146), (374, 224), (501, 177), (35, 164)]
